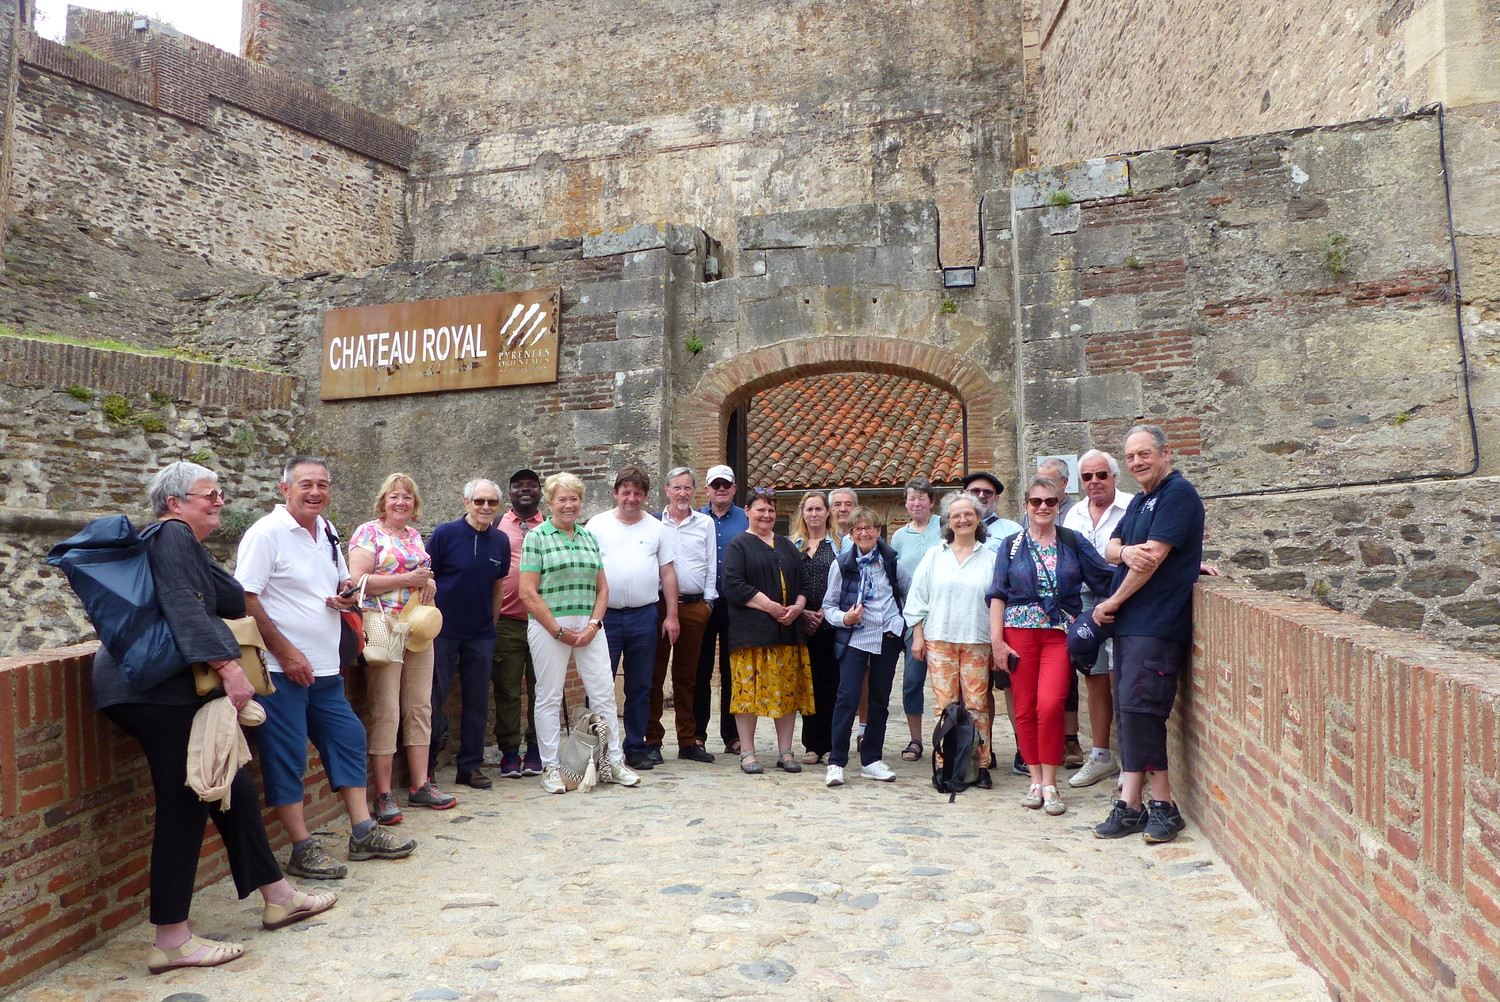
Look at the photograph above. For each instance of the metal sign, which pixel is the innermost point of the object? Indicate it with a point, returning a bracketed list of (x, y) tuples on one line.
[(464, 343)]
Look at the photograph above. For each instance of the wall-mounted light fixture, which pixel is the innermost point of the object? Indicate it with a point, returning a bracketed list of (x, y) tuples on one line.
[(960, 278)]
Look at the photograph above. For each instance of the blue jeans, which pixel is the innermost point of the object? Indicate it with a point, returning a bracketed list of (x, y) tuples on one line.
[(471, 658), (632, 637), (853, 666), (913, 682)]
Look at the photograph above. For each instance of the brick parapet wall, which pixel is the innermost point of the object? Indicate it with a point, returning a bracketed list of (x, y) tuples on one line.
[(1350, 775), (182, 77)]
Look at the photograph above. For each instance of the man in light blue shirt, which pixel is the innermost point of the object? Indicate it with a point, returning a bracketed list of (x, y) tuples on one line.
[(911, 543)]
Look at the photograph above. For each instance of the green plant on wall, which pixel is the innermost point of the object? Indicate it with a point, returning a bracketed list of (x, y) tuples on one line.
[(244, 440), (202, 457), (949, 306), (498, 278), (1134, 262), (117, 409), (693, 343), (1336, 255), (80, 392), (1061, 199)]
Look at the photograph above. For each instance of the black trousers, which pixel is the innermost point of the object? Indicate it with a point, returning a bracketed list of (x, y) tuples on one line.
[(163, 732), (715, 644), (817, 727)]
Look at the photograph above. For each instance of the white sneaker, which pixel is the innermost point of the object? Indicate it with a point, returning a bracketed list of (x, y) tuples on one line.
[(1094, 770), (835, 775), (552, 780), (1051, 802), (621, 773), (878, 771)]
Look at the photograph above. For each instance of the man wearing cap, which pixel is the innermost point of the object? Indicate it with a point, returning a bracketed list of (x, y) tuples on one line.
[(729, 521), (988, 488), (697, 562), (470, 557), (512, 662)]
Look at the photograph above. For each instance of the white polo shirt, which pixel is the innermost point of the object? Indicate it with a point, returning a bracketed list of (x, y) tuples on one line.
[(633, 557), (696, 554), (293, 573), (1081, 521)]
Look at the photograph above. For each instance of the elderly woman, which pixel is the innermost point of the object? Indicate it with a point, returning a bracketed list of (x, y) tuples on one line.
[(950, 626), (866, 592), (817, 542), (764, 587), (563, 588), (1035, 595), (194, 593), (387, 558)]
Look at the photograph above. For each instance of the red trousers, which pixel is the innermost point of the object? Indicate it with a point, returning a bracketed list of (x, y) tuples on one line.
[(1039, 686)]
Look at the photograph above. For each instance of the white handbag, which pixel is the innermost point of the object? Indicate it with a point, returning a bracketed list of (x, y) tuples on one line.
[(385, 634)]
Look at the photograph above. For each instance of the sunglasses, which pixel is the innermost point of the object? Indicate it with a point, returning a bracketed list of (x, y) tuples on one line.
[(981, 492), (720, 485), (765, 492), (484, 502), (214, 496), (1086, 477), (1043, 502)]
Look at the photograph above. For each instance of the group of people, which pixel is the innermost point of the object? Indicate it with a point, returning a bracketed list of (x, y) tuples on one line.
[(814, 624)]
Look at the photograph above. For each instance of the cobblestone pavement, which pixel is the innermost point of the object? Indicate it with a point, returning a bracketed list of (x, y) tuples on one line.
[(704, 883)]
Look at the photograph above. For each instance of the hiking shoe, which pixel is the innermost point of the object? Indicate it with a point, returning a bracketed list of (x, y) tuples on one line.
[(1019, 767), (1033, 798), (619, 772), (1051, 802), (1163, 822), (531, 765), (1093, 770), (1072, 754), (1123, 820), (552, 781), (428, 795), (510, 765), (386, 812), (476, 779), (380, 844), (835, 776), (878, 771), (314, 863)]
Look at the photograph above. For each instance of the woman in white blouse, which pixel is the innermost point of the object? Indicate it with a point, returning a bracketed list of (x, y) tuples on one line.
[(950, 619)]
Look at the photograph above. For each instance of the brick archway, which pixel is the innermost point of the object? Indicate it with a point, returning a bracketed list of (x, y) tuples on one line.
[(730, 383)]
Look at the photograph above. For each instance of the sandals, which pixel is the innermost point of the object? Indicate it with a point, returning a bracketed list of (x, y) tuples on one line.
[(787, 762), (159, 961), (912, 752), (1033, 798), (302, 906), (752, 767)]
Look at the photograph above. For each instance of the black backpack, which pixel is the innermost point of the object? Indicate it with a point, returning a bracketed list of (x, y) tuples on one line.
[(953, 742)]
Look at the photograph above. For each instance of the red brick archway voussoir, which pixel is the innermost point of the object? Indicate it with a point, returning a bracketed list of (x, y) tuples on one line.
[(702, 418)]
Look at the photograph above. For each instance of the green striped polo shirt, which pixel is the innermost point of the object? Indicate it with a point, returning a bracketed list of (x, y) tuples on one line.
[(569, 568)]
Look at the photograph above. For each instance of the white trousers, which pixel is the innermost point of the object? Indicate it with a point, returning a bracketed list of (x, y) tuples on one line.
[(550, 657)]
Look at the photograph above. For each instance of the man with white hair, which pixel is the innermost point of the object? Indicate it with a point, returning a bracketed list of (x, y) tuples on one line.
[(1095, 519)]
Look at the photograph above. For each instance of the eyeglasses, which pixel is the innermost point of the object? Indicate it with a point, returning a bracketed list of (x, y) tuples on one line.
[(1102, 475), (215, 496), (1043, 502), (981, 492), (484, 502)]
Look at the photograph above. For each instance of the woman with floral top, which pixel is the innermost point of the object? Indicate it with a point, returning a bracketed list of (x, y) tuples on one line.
[(1034, 596)]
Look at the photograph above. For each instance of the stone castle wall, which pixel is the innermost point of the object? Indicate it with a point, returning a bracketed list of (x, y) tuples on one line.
[(541, 121)]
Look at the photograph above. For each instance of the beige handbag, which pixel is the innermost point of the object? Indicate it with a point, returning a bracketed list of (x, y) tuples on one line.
[(385, 634), (583, 758), (252, 659)]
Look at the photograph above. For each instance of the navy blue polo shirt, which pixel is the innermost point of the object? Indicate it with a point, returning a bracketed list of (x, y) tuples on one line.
[(466, 563), (1163, 607)]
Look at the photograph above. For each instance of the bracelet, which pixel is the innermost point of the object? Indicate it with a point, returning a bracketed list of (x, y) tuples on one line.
[(560, 631)]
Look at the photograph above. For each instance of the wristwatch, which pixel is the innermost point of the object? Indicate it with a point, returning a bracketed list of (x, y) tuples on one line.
[(597, 624), (560, 631)]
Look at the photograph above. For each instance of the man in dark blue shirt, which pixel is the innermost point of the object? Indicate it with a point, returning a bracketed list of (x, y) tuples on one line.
[(469, 557), (729, 521), (1158, 547)]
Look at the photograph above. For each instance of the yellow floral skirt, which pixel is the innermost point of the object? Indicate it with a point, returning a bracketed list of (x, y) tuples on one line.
[(771, 681)]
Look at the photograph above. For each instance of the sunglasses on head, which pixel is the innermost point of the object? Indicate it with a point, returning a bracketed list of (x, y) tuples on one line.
[(765, 492), (1043, 502), (1102, 475)]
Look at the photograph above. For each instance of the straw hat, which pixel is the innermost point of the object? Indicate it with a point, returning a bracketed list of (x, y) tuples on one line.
[(426, 623)]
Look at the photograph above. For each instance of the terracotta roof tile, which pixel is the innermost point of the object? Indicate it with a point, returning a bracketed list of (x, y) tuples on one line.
[(854, 429)]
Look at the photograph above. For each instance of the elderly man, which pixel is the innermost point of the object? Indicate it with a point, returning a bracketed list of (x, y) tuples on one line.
[(1159, 547), (841, 503), (470, 557), (697, 564), (639, 570), (1056, 468), (988, 488), (911, 543), (295, 580), (512, 663), (729, 521), (1095, 518)]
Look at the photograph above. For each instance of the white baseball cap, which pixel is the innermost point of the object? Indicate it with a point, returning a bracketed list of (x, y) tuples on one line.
[(719, 473)]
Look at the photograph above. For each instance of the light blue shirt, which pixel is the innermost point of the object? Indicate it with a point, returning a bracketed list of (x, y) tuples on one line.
[(911, 544), (996, 531)]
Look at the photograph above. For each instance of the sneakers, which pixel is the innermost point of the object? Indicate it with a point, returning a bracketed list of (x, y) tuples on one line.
[(878, 771), (1163, 822), (1123, 820), (380, 844), (531, 765), (1072, 754), (552, 781), (619, 772), (1033, 798), (1018, 767), (428, 795), (1094, 770), (510, 765), (835, 776), (314, 863), (1051, 802), (386, 812)]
